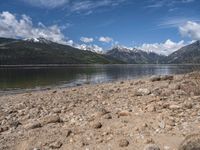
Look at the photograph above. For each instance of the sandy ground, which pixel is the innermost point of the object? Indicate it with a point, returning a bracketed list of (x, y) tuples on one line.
[(160, 111)]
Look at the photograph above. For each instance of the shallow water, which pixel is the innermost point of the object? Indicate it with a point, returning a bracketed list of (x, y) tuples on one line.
[(17, 78)]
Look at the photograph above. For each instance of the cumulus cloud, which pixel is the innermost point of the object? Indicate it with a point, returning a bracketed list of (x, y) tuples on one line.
[(87, 40), (11, 27), (105, 39), (47, 3), (165, 48), (190, 29)]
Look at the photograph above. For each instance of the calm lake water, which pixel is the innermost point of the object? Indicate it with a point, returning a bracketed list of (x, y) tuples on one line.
[(72, 75)]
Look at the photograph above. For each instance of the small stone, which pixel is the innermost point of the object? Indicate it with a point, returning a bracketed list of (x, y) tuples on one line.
[(155, 78), (174, 107), (97, 125), (142, 92), (191, 142), (102, 112), (36, 148), (188, 105), (55, 145), (145, 125), (167, 77), (68, 133), (151, 147), (124, 113), (32, 125), (49, 119), (123, 143), (3, 129), (57, 110), (151, 108), (162, 124), (122, 82), (15, 124), (54, 92), (149, 141), (108, 116)]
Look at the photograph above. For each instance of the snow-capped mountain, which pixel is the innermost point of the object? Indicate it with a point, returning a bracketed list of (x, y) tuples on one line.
[(38, 40), (133, 55), (92, 48)]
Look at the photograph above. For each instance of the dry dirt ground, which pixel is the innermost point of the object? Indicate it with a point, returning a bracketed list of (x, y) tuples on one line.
[(152, 113)]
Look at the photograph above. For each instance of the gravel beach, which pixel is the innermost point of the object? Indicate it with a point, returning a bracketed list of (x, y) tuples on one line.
[(153, 113)]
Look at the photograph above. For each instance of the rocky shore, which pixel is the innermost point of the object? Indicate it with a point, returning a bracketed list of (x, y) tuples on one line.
[(155, 113)]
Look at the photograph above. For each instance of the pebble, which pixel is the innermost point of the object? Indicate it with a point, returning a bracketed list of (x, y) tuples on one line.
[(108, 116), (97, 125), (174, 107), (55, 145), (142, 92), (123, 113), (123, 143), (151, 147), (32, 125), (49, 119)]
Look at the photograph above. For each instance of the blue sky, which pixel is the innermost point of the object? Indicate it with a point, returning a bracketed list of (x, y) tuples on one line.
[(162, 26)]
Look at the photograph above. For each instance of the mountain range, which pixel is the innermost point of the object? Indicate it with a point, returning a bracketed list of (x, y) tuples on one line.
[(42, 51)]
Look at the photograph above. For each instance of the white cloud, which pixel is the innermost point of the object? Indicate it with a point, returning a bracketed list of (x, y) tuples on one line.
[(74, 5), (165, 48), (47, 3), (167, 3), (11, 27), (70, 42), (190, 29), (105, 39), (90, 4), (87, 40)]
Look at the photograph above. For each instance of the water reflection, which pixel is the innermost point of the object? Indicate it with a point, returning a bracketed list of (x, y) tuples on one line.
[(23, 78)]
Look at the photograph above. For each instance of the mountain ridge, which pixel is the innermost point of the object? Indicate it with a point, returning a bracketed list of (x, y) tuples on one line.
[(43, 51), (20, 52)]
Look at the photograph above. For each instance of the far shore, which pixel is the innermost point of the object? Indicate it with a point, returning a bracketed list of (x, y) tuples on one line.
[(65, 65)]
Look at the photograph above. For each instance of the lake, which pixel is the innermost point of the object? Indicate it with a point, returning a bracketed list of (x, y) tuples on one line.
[(18, 78)]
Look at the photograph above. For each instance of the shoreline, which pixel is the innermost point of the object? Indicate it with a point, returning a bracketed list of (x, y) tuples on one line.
[(67, 65), (130, 114)]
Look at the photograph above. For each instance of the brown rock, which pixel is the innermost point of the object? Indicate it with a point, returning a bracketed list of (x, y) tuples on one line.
[(123, 143), (155, 78), (3, 129), (97, 125), (188, 105), (49, 119), (151, 108), (124, 113), (167, 77), (108, 116), (68, 133), (32, 125), (55, 145)]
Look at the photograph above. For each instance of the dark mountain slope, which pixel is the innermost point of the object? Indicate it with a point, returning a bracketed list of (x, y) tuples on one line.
[(20, 52), (187, 54)]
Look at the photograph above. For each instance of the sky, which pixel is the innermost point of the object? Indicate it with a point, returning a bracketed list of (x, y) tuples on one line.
[(161, 26)]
